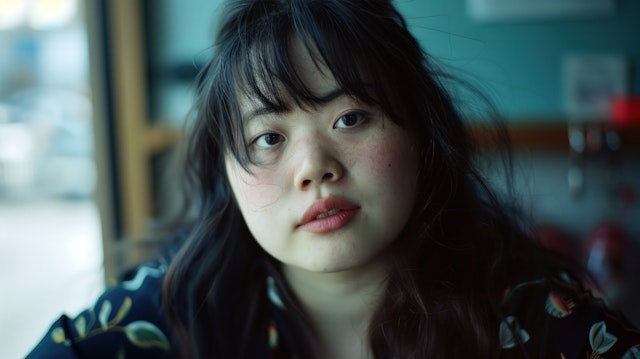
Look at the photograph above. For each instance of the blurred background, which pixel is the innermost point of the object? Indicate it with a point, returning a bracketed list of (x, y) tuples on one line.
[(50, 230), (93, 95)]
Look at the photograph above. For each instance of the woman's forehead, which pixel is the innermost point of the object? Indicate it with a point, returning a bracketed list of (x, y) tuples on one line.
[(311, 69), (314, 76)]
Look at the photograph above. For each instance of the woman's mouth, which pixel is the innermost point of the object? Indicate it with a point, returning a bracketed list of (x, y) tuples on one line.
[(328, 215)]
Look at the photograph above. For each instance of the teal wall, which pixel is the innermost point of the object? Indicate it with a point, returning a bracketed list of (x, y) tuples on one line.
[(519, 64)]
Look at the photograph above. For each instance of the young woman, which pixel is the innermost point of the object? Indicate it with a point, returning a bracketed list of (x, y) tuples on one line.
[(340, 215)]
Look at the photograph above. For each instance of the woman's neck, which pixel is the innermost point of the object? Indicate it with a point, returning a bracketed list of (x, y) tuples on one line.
[(340, 306)]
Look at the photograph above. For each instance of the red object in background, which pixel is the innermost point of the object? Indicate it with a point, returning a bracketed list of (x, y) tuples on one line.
[(559, 241), (625, 111)]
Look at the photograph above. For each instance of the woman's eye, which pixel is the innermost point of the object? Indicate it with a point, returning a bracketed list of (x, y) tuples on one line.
[(268, 140), (349, 120)]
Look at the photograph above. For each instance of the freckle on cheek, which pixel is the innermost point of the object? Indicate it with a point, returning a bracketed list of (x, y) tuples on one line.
[(253, 194)]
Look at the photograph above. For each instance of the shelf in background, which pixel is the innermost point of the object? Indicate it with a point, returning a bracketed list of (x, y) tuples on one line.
[(524, 136), (553, 136)]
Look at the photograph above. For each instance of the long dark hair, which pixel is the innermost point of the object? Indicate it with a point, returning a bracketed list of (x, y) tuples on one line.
[(460, 249)]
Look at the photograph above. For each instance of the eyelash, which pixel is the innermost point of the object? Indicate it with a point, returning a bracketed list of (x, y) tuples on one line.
[(265, 135), (360, 117)]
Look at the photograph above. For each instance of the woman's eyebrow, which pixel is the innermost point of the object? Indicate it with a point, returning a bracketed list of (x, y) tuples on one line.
[(331, 95), (257, 112), (267, 110)]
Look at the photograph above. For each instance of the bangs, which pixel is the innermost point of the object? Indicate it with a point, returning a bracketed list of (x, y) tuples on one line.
[(355, 41), (265, 65)]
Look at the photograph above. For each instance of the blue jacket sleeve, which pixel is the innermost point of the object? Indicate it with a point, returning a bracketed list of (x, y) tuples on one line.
[(127, 321)]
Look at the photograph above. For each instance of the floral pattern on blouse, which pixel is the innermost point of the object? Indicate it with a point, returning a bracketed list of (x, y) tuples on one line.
[(546, 318), (140, 333), (125, 322), (570, 323)]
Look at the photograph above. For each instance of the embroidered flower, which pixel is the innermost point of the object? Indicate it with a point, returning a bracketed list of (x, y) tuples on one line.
[(511, 334), (273, 294), (600, 340), (632, 353), (58, 336), (557, 306), (144, 334), (273, 335), (141, 333)]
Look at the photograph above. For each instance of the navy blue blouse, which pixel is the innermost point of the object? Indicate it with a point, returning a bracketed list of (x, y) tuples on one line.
[(550, 318)]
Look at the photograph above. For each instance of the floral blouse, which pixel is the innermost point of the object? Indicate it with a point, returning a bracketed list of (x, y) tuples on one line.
[(543, 319), (555, 318)]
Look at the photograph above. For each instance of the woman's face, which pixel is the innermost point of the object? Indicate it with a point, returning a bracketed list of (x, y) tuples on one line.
[(335, 183)]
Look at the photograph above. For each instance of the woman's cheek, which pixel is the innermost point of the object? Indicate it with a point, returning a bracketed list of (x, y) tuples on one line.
[(389, 158), (255, 192)]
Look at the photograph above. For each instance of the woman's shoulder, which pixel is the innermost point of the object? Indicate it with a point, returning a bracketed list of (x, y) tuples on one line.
[(556, 317), (126, 319)]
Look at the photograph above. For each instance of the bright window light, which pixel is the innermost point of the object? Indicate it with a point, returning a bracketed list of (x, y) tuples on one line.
[(12, 13), (46, 14), (37, 14)]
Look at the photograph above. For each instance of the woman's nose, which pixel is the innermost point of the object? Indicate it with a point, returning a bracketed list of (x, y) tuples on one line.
[(319, 164)]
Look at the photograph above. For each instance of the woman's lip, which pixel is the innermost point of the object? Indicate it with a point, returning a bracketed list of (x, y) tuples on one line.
[(330, 223), (310, 222)]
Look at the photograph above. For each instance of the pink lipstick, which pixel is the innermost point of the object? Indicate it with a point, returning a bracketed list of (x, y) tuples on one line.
[(327, 215)]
